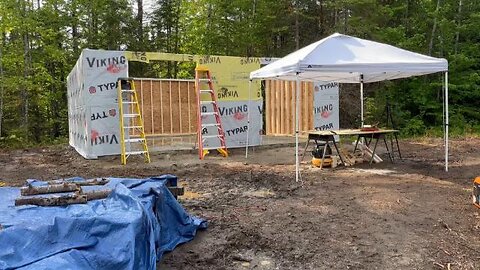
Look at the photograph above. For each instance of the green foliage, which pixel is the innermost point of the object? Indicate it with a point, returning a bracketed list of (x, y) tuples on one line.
[(41, 40)]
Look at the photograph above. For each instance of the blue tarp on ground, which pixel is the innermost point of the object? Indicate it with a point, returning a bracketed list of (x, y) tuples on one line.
[(131, 229)]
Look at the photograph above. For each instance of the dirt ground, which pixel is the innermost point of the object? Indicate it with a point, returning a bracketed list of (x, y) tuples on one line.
[(406, 215)]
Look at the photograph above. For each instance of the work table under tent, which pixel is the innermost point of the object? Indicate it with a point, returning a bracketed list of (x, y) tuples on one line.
[(346, 59)]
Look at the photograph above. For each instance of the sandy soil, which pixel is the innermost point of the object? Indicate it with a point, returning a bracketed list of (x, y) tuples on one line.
[(406, 215)]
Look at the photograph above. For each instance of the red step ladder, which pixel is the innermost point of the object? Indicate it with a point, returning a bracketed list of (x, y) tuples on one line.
[(208, 108)]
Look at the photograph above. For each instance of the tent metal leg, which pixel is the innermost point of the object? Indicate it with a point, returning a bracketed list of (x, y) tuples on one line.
[(361, 100), (248, 117), (446, 121), (297, 112)]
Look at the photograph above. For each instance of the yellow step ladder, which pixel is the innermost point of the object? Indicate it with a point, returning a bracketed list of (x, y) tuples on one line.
[(130, 121), (206, 99)]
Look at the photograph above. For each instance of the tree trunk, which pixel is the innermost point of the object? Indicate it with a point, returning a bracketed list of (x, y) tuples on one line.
[(27, 61), (321, 19), (434, 28), (176, 35), (140, 21), (74, 29), (345, 20), (251, 46), (459, 21), (297, 29), (406, 18), (58, 188)]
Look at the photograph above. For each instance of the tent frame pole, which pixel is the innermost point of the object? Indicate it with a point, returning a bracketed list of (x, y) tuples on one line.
[(446, 120), (248, 117), (297, 113), (361, 100)]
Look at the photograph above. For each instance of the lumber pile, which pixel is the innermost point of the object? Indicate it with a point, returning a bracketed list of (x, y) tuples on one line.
[(62, 192), (68, 193)]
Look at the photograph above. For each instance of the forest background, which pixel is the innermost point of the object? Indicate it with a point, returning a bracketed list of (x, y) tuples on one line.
[(42, 39)]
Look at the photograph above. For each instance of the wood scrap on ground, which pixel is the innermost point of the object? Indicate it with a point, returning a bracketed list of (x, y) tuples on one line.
[(348, 158), (68, 193), (76, 198), (52, 201), (47, 189), (72, 193), (88, 182)]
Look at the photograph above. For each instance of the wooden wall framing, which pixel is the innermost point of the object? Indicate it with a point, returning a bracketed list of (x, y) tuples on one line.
[(168, 106), (280, 99)]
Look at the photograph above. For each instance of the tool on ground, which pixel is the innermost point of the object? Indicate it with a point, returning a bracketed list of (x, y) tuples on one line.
[(329, 159), (130, 122), (208, 110), (476, 192)]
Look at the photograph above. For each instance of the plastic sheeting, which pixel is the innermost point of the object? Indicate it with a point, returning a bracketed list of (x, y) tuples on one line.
[(131, 229)]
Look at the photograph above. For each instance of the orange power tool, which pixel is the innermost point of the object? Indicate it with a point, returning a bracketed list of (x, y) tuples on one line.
[(476, 192)]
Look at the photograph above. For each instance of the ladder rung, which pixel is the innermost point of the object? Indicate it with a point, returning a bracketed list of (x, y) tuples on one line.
[(207, 102), (128, 127), (214, 148), (211, 136), (131, 115), (211, 125), (128, 102), (135, 152), (204, 80), (128, 91), (206, 91), (208, 113), (135, 140)]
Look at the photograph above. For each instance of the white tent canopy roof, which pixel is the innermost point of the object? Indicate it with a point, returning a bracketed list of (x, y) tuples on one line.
[(344, 59)]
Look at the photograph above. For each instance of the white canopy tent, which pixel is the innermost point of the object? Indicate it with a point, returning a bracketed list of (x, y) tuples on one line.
[(345, 59)]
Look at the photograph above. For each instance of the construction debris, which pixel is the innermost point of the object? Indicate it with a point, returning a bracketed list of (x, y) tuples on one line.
[(71, 192), (58, 188), (33, 235), (76, 198), (52, 201), (88, 182)]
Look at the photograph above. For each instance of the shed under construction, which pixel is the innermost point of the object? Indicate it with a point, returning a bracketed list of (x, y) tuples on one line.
[(169, 107)]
